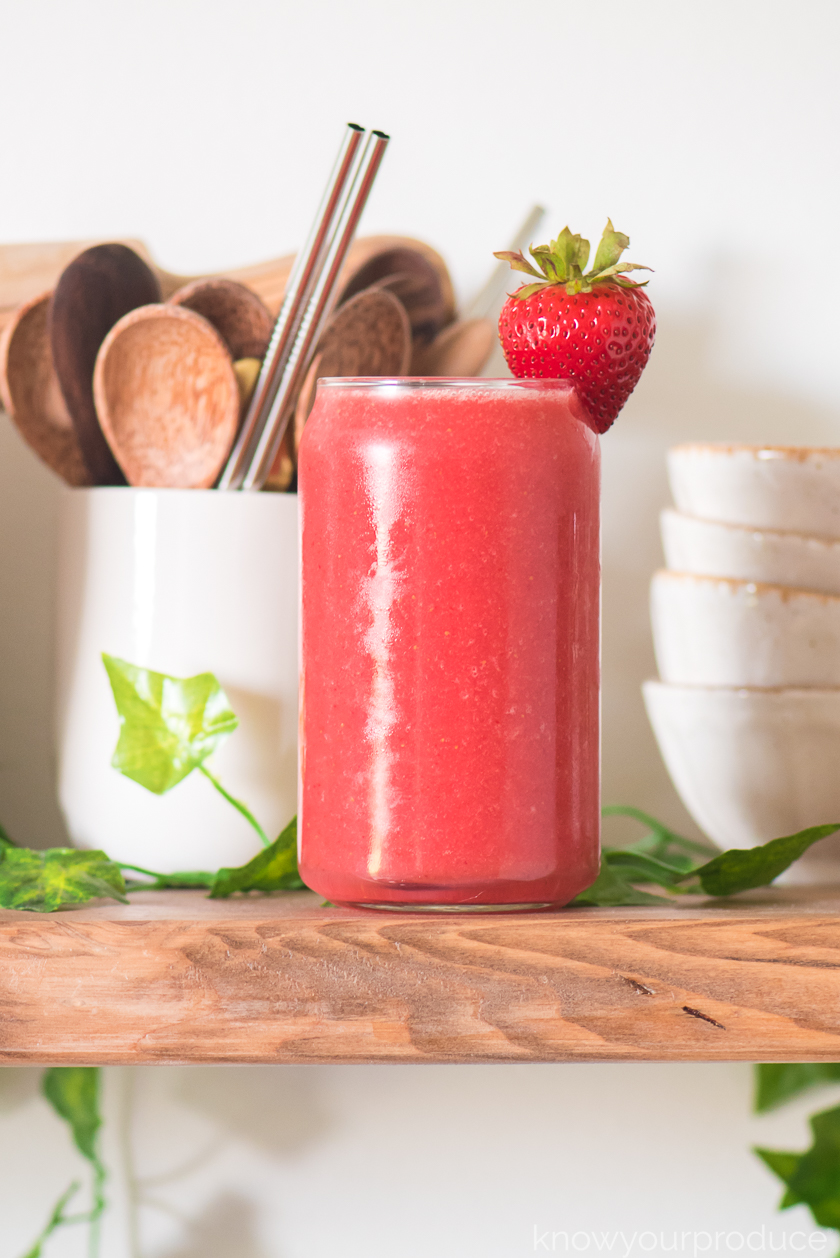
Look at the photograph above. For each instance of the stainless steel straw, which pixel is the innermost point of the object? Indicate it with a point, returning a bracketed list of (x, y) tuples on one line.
[(317, 311), (305, 271)]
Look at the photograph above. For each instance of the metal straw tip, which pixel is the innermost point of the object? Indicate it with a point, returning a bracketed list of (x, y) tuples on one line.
[(354, 126), (380, 135)]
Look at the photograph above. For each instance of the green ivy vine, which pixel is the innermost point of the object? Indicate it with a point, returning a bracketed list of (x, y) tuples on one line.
[(169, 727)]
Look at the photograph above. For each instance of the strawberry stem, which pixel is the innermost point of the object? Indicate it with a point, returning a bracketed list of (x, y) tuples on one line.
[(562, 261)]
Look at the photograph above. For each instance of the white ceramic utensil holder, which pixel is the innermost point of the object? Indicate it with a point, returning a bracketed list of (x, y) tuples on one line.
[(183, 582)]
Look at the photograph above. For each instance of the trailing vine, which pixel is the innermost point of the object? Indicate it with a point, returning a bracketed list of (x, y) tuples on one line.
[(170, 726)]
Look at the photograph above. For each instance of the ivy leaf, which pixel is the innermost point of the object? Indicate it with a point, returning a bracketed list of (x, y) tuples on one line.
[(274, 869), (168, 725), (738, 870), (73, 1092), (639, 867), (662, 843), (613, 888), (663, 857), (778, 1082), (813, 1177), (45, 881)]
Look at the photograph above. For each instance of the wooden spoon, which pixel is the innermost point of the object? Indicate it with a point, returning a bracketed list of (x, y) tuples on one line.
[(241, 319), (167, 397), (423, 288), (30, 392), (368, 336), (28, 269), (94, 291), (462, 349)]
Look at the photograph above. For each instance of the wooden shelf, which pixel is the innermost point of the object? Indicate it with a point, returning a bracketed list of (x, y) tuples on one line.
[(174, 977)]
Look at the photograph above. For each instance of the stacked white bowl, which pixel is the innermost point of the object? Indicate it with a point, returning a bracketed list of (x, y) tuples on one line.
[(746, 626)]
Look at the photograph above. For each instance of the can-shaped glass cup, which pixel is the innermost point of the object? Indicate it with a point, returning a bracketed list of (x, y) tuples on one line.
[(450, 644)]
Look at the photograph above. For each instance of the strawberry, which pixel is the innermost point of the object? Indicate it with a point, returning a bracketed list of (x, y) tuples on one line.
[(596, 329)]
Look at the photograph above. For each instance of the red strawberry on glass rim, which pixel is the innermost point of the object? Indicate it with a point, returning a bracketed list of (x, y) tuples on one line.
[(594, 327)]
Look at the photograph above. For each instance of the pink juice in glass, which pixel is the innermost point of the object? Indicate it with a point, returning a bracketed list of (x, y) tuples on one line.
[(449, 750)]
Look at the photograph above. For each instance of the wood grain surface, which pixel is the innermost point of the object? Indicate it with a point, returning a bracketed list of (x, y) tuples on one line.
[(174, 977)]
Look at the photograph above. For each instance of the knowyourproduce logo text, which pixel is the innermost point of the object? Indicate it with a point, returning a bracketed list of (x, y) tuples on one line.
[(694, 1243)]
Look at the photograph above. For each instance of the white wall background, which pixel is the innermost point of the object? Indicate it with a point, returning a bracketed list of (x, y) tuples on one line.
[(707, 131)]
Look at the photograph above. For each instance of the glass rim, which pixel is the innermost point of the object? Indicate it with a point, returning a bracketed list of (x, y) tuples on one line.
[(437, 382)]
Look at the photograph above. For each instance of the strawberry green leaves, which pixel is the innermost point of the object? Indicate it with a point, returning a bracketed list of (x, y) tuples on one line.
[(60, 877), (518, 262), (563, 260), (168, 725), (812, 1178), (275, 869), (610, 248)]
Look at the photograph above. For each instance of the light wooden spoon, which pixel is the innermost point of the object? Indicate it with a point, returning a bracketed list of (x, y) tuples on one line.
[(94, 291), (241, 319), (368, 336), (30, 392), (167, 397), (460, 350)]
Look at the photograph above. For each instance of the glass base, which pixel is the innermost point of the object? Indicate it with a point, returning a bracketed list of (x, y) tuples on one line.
[(453, 908)]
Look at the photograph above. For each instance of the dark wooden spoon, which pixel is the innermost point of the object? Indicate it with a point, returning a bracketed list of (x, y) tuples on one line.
[(368, 336), (237, 314), (94, 292), (414, 274)]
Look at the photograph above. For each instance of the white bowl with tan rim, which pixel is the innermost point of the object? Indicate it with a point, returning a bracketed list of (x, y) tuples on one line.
[(710, 548), (793, 489), (714, 631), (752, 765)]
